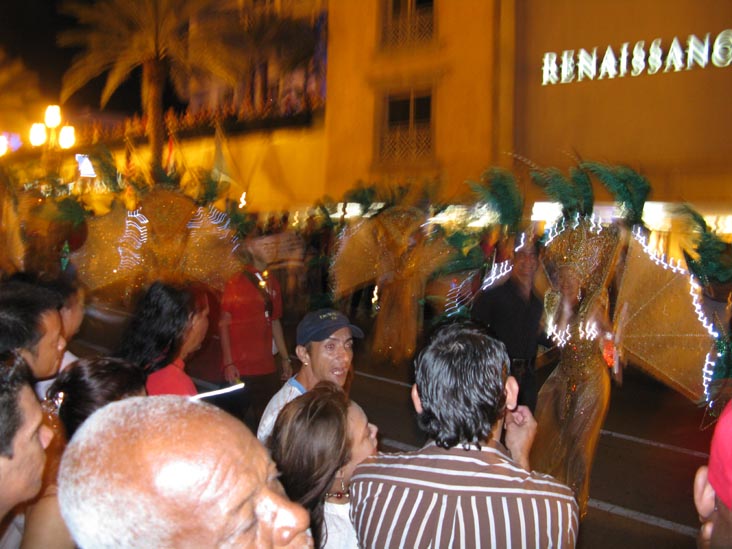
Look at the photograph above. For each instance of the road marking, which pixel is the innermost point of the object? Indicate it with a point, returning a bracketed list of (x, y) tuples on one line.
[(644, 518), (655, 444), (594, 503), (613, 434), (384, 379)]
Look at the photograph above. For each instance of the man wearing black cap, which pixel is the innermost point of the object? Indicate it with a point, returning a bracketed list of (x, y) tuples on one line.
[(325, 348)]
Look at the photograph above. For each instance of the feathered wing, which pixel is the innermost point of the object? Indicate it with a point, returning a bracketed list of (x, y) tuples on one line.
[(662, 332)]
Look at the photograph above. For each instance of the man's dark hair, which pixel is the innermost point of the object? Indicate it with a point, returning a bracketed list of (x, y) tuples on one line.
[(64, 286), (21, 307), (14, 375), (460, 377)]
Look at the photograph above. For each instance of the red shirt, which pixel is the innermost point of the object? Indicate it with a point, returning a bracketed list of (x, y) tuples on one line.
[(171, 380), (250, 331)]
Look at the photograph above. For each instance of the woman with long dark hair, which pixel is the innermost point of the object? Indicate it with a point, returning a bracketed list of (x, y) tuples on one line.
[(317, 441), (170, 323), (77, 392)]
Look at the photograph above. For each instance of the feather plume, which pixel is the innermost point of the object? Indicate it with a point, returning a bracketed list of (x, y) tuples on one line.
[(498, 187), (609, 178), (583, 188), (558, 188), (639, 188)]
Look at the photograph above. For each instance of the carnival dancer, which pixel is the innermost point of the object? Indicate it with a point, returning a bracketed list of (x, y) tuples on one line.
[(573, 402)]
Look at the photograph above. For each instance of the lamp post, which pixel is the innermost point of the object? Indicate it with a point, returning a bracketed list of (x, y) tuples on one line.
[(47, 130)]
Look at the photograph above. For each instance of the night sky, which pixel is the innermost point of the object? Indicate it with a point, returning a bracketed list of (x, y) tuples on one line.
[(28, 30)]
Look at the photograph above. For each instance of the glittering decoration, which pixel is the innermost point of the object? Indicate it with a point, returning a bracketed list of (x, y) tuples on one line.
[(392, 250), (665, 331), (99, 260), (167, 237), (208, 255), (168, 213)]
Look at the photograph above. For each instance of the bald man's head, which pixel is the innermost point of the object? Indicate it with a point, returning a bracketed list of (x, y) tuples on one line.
[(167, 471)]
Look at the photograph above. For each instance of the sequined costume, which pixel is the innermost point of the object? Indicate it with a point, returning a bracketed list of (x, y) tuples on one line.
[(391, 250), (574, 400)]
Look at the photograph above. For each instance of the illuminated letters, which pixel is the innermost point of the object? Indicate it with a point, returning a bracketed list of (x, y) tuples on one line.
[(586, 64), (624, 59), (550, 69), (675, 57), (583, 66), (567, 66), (655, 57), (639, 58), (722, 52), (697, 52), (609, 62)]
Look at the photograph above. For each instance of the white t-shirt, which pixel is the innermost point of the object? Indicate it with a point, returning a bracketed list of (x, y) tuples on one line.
[(341, 534), (289, 391)]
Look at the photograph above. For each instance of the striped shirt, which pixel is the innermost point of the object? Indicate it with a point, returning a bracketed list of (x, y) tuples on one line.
[(459, 498)]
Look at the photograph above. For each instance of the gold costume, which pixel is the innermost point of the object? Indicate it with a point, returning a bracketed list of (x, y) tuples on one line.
[(574, 400)]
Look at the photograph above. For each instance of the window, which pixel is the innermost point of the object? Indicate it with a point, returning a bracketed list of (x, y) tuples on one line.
[(407, 22), (407, 133)]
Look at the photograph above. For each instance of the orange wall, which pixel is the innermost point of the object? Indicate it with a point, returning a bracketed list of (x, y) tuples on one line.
[(675, 127)]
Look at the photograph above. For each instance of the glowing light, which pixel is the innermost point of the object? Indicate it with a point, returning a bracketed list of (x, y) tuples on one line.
[(3, 145), (133, 238), (707, 372), (522, 243), (352, 209), (561, 337), (243, 200), (375, 296), (53, 116), (38, 134), (498, 271), (86, 168), (458, 294), (66, 137)]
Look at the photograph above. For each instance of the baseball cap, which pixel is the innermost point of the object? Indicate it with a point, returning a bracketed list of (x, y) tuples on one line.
[(319, 325), (720, 457)]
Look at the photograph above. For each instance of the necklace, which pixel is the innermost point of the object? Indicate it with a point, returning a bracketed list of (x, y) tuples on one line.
[(337, 495)]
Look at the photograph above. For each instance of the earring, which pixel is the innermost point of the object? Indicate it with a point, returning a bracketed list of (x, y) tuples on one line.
[(579, 294)]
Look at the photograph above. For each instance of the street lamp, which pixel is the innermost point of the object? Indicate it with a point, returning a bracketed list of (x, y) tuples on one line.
[(40, 132)]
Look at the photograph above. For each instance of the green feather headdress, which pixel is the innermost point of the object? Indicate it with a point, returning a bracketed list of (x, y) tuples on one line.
[(498, 187)]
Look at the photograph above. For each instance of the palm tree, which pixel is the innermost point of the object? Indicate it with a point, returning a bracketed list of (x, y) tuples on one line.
[(167, 38), (19, 95)]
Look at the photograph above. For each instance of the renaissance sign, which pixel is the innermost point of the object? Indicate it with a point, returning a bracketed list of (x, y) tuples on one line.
[(636, 60)]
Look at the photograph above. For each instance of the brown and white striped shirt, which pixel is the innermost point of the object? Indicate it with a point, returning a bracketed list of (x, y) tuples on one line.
[(459, 498)]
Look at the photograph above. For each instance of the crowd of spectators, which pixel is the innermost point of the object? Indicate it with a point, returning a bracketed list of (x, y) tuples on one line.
[(109, 457)]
